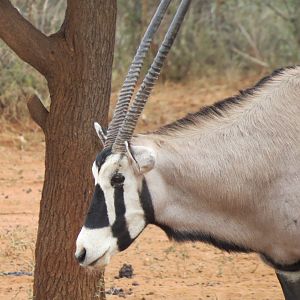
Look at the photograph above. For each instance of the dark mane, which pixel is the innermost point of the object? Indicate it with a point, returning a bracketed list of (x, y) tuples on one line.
[(218, 108)]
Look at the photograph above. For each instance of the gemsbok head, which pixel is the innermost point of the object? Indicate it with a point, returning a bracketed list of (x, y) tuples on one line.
[(228, 175), (117, 214)]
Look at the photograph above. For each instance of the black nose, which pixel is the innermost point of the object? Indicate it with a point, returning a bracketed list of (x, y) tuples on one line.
[(81, 256)]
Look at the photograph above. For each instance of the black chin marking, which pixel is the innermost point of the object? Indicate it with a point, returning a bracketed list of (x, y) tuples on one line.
[(119, 228), (97, 214), (186, 236), (294, 267)]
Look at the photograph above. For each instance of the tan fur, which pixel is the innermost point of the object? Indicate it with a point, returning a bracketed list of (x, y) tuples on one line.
[(236, 176)]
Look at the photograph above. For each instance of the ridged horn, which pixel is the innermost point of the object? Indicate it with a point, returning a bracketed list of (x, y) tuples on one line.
[(135, 110), (129, 85)]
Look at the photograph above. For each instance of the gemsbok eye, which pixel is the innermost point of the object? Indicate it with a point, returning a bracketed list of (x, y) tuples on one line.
[(117, 179)]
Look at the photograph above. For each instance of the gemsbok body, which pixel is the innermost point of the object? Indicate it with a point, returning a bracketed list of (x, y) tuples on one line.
[(228, 175)]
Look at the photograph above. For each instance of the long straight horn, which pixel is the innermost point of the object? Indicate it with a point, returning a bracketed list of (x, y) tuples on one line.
[(133, 74), (135, 110)]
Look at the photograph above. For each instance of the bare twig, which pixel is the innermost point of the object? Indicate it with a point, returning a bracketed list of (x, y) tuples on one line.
[(249, 39), (287, 7), (43, 17), (55, 13), (278, 12), (251, 58)]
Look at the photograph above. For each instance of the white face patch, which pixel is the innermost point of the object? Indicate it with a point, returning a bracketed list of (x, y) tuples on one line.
[(95, 246), (110, 205), (104, 180), (135, 216), (97, 243)]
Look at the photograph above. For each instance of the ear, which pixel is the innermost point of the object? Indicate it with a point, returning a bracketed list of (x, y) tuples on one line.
[(143, 158), (100, 132)]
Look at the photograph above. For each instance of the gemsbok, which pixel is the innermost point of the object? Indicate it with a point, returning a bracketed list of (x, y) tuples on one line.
[(228, 175)]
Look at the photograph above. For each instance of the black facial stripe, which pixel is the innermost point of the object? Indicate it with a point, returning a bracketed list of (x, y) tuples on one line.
[(146, 202), (101, 157), (119, 228), (124, 240), (119, 201), (97, 214)]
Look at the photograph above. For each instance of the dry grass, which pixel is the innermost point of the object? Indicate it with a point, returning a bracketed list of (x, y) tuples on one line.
[(19, 248)]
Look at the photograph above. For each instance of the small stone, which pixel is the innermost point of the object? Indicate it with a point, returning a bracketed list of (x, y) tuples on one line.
[(115, 291), (126, 271)]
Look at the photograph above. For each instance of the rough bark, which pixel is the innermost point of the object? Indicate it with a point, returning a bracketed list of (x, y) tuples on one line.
[(77, 63)]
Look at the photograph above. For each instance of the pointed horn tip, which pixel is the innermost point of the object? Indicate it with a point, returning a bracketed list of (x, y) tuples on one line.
[(97, 125)]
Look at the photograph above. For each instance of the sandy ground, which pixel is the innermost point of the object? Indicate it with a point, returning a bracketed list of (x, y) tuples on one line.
[(162, 269)]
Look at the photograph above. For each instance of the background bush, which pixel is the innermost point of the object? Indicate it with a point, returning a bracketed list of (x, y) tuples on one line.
[(218, 38)]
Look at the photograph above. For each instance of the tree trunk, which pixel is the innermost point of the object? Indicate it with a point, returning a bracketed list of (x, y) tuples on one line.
[(77, 63), (79, 95)]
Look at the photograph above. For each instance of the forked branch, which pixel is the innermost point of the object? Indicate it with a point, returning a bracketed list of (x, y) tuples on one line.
[(24, 39)]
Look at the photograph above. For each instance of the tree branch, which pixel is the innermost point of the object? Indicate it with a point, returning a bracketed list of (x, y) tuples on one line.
[(251, 58), (24, 39), (249, 39), (278, 12), (38, 111)]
